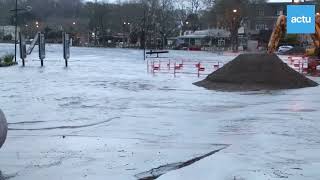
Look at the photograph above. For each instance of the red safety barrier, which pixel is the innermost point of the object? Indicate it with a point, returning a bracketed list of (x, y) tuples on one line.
[(183, 66), (304, 65), (177, 67), (156, 67)]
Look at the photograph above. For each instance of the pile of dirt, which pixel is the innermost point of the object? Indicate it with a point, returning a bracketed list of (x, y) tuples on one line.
[(252, 72)]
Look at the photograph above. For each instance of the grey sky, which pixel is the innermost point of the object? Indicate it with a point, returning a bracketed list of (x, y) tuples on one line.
[(269, 0)]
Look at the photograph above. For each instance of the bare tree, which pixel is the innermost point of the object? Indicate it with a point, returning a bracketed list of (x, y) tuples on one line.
[(230, 14)]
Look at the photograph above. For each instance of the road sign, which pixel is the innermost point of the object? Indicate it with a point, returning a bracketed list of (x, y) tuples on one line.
[(23, 47), (66, 46), (42, 46)]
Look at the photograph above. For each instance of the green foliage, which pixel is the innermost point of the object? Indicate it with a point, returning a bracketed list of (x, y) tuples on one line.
[(7, 38), (290, 39), (8, 59)]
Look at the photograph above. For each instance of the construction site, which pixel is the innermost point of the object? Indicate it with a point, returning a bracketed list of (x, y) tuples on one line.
[(110, 113)]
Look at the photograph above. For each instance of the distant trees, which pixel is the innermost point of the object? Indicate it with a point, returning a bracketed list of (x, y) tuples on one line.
[(231, 13), (150, 21), (157, 19)]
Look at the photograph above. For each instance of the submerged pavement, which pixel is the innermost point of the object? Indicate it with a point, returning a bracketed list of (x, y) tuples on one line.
[(104, 117)]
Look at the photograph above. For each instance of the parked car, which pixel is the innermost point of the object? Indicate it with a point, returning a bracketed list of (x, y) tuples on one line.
[(283, 49)]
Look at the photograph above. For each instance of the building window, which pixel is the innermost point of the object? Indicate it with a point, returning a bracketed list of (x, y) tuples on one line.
[(261, 27), (279, 12), (260, 12)]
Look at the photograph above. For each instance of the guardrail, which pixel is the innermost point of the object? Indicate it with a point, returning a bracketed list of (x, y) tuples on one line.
[(182, 66)]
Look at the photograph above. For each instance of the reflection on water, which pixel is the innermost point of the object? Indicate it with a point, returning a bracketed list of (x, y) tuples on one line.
[(159, 119)]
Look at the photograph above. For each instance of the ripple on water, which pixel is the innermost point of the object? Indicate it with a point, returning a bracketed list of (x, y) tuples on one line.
[(296, 110)]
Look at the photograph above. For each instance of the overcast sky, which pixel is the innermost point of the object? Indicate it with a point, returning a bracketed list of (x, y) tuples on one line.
[(269, 0)]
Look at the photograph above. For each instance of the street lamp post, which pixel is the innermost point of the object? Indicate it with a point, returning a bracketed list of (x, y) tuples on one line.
[(15, 32), (125, 31), (28, 8), (26, 30), (189, 39), (234, 30), (144, 34)]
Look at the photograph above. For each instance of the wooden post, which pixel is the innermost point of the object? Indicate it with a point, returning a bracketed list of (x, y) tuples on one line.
[(174, 69), (199, 65), (152, 66)]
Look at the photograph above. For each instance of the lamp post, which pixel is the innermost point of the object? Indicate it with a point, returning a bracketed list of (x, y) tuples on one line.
[(234, 30), (15, 31), (124, 30), (73, 33), (144, 34), (26, 30), (28, 8), (189, 39)]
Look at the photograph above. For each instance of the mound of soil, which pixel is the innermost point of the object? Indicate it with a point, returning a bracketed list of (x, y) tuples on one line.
[(252, 72)]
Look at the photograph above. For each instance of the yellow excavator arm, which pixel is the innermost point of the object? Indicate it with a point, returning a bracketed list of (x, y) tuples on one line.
[(281, 27), (316, 39)]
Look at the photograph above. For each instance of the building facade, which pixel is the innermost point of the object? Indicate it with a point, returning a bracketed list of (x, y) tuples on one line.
[(204, 38), (264, 16), (8, 31)]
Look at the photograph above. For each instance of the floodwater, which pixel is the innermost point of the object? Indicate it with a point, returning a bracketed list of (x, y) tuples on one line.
[(105, 117)]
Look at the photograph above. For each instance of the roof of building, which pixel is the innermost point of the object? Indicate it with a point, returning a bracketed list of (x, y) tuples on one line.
[(207, 33)]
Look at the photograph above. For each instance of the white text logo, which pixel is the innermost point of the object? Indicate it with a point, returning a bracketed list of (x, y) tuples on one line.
[(302, 19)]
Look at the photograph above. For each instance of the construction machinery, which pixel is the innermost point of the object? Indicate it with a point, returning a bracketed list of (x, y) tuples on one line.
[(281, 28), (313, 53)]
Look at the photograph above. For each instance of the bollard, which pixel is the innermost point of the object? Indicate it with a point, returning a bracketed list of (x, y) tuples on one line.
[(3, 128)]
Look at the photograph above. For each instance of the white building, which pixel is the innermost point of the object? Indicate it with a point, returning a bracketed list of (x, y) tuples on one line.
[(207, 37), (8, 30)]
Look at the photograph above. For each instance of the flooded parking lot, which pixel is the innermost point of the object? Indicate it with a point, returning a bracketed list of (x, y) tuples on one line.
[(105, 117)]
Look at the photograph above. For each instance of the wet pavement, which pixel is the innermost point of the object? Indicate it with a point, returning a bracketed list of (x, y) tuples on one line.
[(105, 117)]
